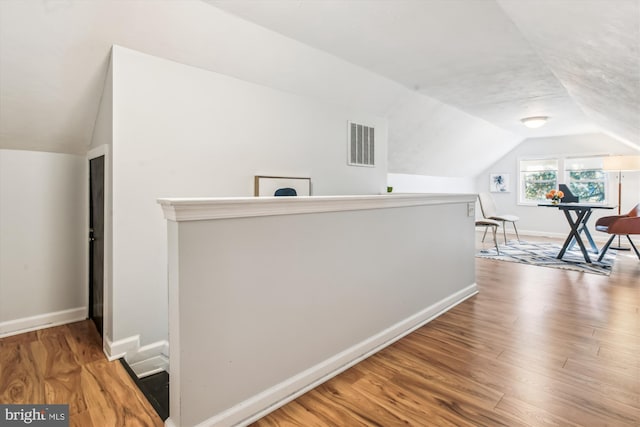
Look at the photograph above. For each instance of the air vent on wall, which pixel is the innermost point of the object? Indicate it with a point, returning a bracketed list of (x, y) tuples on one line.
[(361, 145)]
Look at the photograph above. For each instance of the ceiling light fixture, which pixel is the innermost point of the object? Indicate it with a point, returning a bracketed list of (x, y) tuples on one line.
[(534, 122)]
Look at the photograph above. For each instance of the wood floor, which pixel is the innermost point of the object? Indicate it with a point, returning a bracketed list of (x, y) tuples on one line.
[(66, 365), (536, 347)]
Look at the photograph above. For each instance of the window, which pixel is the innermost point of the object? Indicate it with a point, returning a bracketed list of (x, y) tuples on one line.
[(586, 179), (583, 175), (537, 177)]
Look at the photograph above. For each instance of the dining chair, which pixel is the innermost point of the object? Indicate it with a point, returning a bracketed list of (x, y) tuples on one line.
[(620, 225), (489, 211), (489, 223)]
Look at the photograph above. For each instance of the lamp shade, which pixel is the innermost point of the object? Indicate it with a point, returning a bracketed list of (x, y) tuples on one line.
[(621, 163)]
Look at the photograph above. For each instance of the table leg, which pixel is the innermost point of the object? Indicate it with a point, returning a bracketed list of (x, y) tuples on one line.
[(587, 234), (574, 233), (584, 229)]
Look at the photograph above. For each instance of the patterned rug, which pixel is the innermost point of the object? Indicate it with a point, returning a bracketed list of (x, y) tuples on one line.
[(544, 254)]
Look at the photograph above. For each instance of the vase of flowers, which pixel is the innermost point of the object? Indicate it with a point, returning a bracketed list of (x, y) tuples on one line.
[(555, 196)]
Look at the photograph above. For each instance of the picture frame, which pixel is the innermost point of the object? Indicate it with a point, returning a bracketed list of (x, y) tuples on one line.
[(266, 186), (499, 183)]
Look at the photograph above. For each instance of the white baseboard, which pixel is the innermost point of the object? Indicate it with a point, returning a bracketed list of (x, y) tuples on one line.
[(597, 236), (41, 321), (534, 233), (271, 399), (143, 360), (150, 366), (121, 348)]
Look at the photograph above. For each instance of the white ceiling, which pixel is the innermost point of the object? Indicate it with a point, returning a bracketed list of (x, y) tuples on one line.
[(575, 61)]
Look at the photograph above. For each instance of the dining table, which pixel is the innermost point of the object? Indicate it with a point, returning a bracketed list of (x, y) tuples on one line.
[(578, 225)]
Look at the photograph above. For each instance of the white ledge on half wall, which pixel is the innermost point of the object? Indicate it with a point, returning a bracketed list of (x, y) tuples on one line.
[(196, 209)]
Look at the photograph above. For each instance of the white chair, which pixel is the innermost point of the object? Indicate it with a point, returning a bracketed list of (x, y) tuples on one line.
[(486, 223), (489, 211)]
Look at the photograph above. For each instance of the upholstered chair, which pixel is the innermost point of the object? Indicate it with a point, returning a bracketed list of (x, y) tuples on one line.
[(620, 225)]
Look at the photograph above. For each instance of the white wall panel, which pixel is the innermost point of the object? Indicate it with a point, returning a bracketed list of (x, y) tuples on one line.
[(43, 235), (180, 131)]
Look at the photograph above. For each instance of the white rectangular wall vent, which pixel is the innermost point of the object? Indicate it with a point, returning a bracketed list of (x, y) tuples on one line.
[(361, 145)]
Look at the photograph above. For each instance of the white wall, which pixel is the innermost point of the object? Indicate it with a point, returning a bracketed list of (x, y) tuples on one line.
[(43, 239), (180, 131), (289, 299), (407, 183), (103, 127), (547, 221), (427, 137)]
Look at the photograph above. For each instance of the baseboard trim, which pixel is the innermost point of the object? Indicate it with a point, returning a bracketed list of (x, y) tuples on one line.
[(118, 349), (41, 321), (143, 360), (150, 366), (271, 399), (597, 237), (534, 233)]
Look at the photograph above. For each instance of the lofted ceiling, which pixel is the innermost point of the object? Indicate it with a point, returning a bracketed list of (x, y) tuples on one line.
[(577, 62), (495, 60)]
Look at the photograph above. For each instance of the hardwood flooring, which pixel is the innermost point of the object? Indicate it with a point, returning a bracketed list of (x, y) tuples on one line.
[(536, 347), (66, 365)]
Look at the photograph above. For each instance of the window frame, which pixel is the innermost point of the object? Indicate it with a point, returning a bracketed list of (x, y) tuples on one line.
[(561, 173), (521, 182), (605, 176)]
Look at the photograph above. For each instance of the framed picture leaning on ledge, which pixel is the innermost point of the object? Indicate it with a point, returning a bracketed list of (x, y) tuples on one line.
[(266, 186)]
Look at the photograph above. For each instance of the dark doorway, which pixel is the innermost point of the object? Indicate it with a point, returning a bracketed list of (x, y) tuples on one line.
[(96, 241)]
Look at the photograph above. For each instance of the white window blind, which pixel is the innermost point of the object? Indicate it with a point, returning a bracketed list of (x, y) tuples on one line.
[(586, 179), (537, 177)]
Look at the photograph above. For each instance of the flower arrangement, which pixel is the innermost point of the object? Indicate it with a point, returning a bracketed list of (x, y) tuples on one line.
[(555, 196)]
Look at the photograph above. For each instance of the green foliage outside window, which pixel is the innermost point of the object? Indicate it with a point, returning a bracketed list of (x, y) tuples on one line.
[(588, 185), (537, 184), (583, 175)]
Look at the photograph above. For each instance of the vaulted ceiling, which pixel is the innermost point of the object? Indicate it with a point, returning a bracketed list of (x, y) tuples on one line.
[(577, 62)]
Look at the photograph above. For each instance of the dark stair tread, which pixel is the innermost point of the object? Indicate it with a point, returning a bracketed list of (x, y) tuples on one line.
[(155, 388)]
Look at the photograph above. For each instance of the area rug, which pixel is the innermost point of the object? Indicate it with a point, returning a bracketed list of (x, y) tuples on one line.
[(544, 255)]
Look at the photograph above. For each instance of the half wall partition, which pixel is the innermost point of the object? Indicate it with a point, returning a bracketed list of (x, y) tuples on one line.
[(269, 297)]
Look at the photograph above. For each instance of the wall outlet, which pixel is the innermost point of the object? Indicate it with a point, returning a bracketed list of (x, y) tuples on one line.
[(471, 209)]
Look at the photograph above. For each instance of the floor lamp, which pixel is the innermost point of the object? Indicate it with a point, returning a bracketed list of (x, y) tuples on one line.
[(621, 164)]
